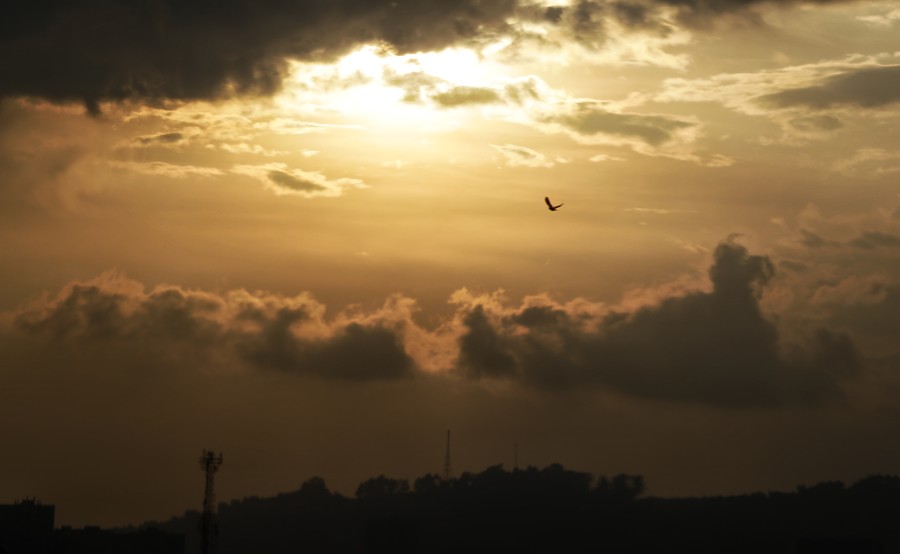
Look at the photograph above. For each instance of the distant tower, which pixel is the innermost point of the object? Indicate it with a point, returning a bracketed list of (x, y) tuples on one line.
[(209, 463), (515, 455), (447, 471)]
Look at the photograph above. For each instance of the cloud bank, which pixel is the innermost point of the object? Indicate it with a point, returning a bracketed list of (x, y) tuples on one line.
[(712, 347)]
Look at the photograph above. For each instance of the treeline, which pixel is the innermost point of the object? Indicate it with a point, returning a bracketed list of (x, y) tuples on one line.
[(553, 510)]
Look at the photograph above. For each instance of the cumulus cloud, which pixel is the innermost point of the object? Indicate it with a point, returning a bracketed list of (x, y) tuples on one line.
[(256, 330), (713, 347)]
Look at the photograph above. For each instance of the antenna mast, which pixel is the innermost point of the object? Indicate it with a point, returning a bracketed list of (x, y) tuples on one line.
[(209, 462), (447, 471)]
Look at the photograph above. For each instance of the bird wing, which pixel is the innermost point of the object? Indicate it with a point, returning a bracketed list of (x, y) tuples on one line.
[(547, 200)]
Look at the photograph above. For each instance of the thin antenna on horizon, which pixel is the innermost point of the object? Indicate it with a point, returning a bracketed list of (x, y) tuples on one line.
[(447, 471), (209, 463), (516, 455)]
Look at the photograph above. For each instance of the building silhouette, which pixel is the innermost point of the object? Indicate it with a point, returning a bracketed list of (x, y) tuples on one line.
[(26, 527), (94, 540)]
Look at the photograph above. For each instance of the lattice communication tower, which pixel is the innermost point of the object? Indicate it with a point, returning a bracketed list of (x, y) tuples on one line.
[(209, 463)]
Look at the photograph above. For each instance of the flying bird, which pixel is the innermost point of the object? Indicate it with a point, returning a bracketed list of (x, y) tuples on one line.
[(550, 204)]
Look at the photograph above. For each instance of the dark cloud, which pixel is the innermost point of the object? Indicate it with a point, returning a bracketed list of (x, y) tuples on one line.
[(587, 21), (162, 138), (868, 87), (591, 119), (793, 265), (92, 51), (481, 350), (632, 14), (411, 83), (297, 184), (869, 240), (879, 318), (700, 13), (260, 331), (356, 352), (707, 347), (812, 240), (84, 311), (462, 96), (553, 14), (816, 123), (522, 91)]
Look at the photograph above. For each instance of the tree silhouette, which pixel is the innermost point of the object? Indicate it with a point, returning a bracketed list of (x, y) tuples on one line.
[(380, 487), (621, 488)]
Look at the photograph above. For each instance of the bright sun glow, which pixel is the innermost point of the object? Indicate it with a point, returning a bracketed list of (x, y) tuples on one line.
[(374, 87)]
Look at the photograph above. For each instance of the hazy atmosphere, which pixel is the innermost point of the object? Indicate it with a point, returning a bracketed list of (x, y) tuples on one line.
[(312, 235)]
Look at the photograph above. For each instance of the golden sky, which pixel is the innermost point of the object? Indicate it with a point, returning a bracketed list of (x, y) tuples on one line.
[(313, 235)]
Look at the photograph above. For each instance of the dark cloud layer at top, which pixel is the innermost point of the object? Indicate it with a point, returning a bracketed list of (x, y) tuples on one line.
[(91, 51), (150, 50)]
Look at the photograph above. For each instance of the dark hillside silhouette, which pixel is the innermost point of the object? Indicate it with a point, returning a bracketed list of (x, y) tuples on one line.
[(554, 510)]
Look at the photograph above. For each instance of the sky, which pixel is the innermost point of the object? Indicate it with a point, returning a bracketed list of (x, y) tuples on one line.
[(312, 235)]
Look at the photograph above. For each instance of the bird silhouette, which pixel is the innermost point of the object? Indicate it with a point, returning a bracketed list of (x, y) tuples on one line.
[(550, 205)]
